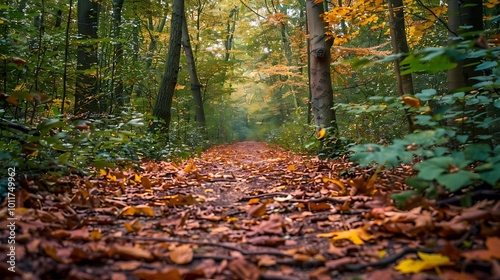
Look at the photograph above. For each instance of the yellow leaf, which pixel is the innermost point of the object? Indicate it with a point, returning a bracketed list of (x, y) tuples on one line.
[(381, 253), (146, 210), (290, 167), (410, 266), (334, 181), (190, 167), (426, 262), (95, 235), (111, 177), (128, 211), (20, 87), (321, 133), (412, 101), (179, 87), (103, 172), (137, 178), (356, 236)]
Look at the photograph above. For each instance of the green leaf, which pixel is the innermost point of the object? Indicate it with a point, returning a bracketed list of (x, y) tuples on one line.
[(486, 65), (429, 171), (103, 164), (497, 103), (417, 183), (455, 181), (63, 159), (477, 152)]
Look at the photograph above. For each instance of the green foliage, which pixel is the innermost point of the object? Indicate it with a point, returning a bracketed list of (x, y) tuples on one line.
[(62, 146), (456, 144)]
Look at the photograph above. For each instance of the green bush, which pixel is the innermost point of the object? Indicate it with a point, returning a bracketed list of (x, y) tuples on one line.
[(456, 144)]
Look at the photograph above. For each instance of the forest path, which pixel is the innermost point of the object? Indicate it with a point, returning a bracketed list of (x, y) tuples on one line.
[(246, 211)]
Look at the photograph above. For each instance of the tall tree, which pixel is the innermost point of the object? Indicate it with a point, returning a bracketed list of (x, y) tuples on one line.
[(118, 53), (400, 45), (86, 84), (163, 104), (193, 75), (231, 26), (464, 16), (320, 84)]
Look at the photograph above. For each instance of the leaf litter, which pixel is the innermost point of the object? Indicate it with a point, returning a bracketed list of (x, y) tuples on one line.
[(245, 211)]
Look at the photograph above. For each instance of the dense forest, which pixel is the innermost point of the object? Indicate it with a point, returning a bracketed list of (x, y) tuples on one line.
[(402, 93)]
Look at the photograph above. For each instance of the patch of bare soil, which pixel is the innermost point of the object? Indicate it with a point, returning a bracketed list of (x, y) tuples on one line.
[(243, 211)]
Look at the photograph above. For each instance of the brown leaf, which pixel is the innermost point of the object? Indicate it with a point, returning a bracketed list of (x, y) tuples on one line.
[(339, 263), (266, 260), (319, 206), (244, 270), (257, 211), (168, 273), (182, 254), (127, 265), (131, 253), (271, 241)]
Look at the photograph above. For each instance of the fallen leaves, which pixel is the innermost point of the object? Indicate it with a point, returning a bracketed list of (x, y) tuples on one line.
[(245, 211), (492, 250)]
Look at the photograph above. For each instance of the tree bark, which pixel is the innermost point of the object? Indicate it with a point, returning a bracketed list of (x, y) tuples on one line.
[(463, 13), (86, 84), (400, 45), (193, 76), (163, 104), (320, 84)]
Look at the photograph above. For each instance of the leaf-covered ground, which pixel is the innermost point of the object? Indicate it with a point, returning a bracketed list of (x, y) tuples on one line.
[(244, 211)]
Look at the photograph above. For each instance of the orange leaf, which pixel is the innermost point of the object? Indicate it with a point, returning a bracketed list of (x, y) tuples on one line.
[(412, 101), (322, 131)]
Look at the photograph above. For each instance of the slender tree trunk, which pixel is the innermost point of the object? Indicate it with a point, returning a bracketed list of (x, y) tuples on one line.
[(193, 76), (66, 55), (320, 84), (400, 45), (163, 104), (231, 26), (118, 52), (86, 84)]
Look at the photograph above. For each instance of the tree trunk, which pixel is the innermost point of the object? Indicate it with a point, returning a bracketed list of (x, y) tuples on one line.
[(400, 45), (320, 84), (163, 104), (86, 84), (463, 13), (231, 26), (118, 51), (66, 56), (193, 76)]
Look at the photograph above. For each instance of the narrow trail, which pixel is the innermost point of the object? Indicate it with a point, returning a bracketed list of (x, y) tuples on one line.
[(242, 211)]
